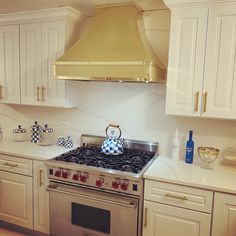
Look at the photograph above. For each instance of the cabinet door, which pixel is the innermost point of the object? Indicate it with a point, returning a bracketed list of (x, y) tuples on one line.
[(9, 64), (31, 62), (186, 61), (164, 220), (16, 199), (224, 217), (53, 43), (41, 198), (220, 68)]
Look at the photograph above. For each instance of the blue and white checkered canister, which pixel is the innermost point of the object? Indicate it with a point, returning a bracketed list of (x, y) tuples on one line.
[(68, 142), (61, 141), (113, 146)]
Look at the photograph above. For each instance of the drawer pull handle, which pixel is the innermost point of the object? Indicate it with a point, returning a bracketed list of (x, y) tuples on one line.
[(205, 102), (196, 101), (43, 94), (1, 96), (145, 216), (40, 177), (38, 90), (184, 198), (10, 164)]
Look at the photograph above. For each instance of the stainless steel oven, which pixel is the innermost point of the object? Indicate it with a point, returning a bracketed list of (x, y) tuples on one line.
[(93, 194), (76, 211)]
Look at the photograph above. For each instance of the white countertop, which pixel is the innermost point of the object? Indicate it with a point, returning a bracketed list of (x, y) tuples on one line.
[(30, 150), (221, 178)]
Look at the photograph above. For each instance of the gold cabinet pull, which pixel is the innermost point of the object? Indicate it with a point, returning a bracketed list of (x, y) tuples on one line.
[(43, 94), (38, 91), (196, 101), (40, 178), (1, 96), (10, 164), (205, 102), (145, 216), (184, 198)]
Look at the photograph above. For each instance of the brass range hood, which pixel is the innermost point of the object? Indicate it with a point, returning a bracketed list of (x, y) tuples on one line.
[(114, 47)]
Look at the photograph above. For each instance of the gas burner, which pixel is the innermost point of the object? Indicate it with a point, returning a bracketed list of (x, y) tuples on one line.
[(132, 160)]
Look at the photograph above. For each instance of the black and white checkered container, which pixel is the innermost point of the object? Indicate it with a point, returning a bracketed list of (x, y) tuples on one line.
[(35, 133)]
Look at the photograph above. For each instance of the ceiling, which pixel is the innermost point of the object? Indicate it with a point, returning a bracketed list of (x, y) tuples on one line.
[(81, 5)]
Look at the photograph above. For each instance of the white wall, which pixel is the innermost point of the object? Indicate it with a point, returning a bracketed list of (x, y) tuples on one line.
[(139, 109)]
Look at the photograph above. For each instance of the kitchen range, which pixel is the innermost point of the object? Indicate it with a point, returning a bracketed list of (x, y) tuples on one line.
[(95, 194)]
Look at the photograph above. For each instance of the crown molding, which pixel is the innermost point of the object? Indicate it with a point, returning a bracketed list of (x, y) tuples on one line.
[(51, 14), (195, 3)]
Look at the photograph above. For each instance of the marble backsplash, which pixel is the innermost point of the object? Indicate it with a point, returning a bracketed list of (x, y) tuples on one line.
[(139, 109)]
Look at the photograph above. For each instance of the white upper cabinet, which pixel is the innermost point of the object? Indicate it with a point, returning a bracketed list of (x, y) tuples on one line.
[(9, 64), (201, 69), (41, 44), (220, 66), (186, 61), (43, 36), (30, 53)]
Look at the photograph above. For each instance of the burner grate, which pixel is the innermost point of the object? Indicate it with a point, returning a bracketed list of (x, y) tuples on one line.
[(132, 160)]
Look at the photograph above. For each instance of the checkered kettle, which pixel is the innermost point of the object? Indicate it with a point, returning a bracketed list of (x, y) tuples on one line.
[(113, 145)]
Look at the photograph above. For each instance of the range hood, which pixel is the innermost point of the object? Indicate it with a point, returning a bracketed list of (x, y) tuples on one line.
[(113, 48)]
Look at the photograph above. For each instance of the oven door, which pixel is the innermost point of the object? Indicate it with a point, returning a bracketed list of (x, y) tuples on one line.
[(76, 211)]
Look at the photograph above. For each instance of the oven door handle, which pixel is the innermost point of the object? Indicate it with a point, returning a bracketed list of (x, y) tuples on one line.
[(53, 187)]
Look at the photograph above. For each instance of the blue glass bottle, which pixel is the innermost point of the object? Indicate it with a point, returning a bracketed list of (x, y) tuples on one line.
[(189, 149)]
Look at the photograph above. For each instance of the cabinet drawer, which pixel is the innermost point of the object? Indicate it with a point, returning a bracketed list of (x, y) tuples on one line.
[(180, 196), (16, 164)]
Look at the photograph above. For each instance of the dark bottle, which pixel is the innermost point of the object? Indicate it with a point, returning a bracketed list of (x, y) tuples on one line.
[(189, 149)]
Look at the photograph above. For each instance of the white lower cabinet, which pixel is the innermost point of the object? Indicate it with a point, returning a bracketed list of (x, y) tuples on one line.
[(24, 200), (164, 220), (16, 203), (41, 198), (174, 210), (224, 215)]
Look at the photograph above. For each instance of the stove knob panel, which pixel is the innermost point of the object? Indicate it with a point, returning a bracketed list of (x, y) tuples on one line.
[(124, 186), (58, 173), (116, 184), (99, 182), (76, 177), (65, 174), (83, 178)]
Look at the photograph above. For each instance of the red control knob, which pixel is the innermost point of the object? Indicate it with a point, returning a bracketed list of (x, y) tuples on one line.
[(115, 184), (83, 177), (75, 177), (124, 186), (58, 173), (65, 174), (99, 182)]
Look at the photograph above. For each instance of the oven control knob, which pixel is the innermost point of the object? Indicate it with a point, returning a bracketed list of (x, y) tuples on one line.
[(57, 173), (75, 177), (124, 186), (83, 178), (99, 182), (65, 174), (115, 184)]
